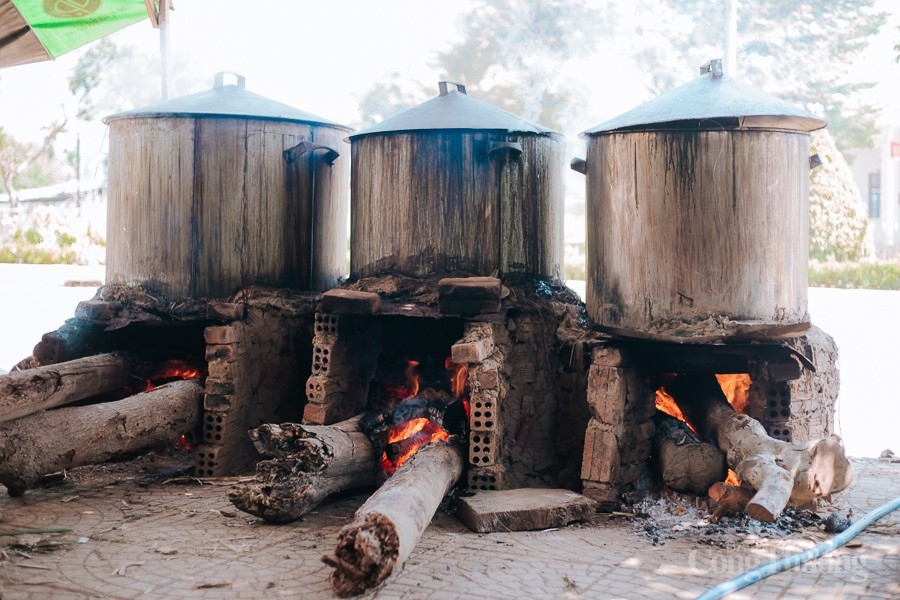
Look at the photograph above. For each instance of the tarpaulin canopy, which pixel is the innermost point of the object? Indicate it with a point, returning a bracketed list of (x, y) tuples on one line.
[(36, 30)]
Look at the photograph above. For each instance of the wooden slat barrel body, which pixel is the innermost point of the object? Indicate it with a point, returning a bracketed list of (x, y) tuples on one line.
[(443, 201), (698, 233), (201, 206)]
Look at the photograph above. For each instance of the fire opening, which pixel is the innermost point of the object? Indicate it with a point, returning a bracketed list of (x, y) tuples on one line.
[(173, 370), (429, 406), (735, 386)]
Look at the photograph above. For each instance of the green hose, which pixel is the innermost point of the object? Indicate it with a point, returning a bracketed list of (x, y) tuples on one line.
[(789, 562)]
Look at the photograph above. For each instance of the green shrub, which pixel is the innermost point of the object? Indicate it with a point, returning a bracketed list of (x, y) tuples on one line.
[(65, 240), (837, 215), (33, 236), (873, 276)]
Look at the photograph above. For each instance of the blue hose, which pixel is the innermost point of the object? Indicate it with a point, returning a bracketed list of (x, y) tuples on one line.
[(789, 562)]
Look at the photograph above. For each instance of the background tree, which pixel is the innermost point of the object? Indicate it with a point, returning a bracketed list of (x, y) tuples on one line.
[(17, 157), (837, 214), (510, 54), (109, 78), (797, 50)]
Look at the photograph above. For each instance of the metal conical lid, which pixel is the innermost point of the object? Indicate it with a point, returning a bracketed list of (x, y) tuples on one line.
[(453, 109), (710, 98), (226, 101)]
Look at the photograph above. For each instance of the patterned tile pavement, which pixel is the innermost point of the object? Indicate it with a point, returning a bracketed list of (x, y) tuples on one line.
[(134, 538)]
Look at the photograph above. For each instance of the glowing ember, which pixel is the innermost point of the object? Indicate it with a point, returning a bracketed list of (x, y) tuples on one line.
[(172, 370), (737, 389), (407, 440), (732, 478), (183, 444), (406, 430)]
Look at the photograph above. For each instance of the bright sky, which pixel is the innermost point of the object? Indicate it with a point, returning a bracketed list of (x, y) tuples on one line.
[(321, 57)]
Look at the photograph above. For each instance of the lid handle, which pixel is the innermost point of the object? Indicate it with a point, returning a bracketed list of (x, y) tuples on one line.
[(219, 80), (713, 66), (442, 85)]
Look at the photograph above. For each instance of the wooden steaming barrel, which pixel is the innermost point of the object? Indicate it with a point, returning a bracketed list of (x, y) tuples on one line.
[(224, 189), (455, 184), (698, 216)]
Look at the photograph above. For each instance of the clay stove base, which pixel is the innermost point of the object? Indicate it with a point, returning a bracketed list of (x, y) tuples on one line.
[(134, 536)]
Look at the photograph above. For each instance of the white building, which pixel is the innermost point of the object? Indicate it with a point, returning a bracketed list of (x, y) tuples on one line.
[(877, 175)]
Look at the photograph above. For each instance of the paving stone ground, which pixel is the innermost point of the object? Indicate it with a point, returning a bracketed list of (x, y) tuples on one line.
[(137, 537)]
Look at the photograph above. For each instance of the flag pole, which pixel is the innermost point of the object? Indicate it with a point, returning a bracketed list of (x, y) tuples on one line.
[(164, 46), (159, 18)]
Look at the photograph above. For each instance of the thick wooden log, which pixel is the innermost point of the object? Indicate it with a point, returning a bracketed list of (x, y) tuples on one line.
[(310, 464), (33, 390), (313, 447), (387, 527), (686, 464), (780, 472), (64, 438), (281, 495)]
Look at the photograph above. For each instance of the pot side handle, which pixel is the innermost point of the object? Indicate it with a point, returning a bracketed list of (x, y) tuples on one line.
[(292, 154), (514, 149), (579, 164)]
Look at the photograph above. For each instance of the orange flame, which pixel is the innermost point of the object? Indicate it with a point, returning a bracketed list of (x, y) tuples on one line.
[(183, 443), (408, 429), (736, 387), (412, 378), (666, 403), (732, 478), (410, 389), (173, 369), (459, 377), (422, 429)]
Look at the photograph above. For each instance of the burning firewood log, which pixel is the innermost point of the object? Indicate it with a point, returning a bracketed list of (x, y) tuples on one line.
[(779, 472), (390, 523), (728, 499), (310, 464), (51, 441), (33, 390), (686, 464)]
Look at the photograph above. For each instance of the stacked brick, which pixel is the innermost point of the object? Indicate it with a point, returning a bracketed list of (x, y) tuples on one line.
[(222, 414), (814, 394), (345, 350), (255, 375), (486, 392), (618, 440)]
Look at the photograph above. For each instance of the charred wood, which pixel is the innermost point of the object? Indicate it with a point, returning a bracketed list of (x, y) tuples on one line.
[(33, 390), (51, 441), (280, 495), (728, 499), (779, 472), (390, 523), (686, 464), (310, 464)]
